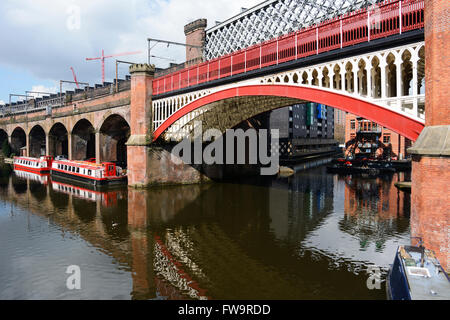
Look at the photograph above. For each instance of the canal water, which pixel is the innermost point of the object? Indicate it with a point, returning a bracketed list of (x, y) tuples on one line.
[(313, 235)]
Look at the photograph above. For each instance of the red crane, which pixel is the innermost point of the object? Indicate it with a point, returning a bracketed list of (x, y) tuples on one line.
[(103, 57), (75, 77)]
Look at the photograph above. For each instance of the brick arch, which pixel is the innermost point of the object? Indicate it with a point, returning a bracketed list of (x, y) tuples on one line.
[(36, 140), (58, 123), (99, 121), (35, 127), (3, 136), (83, 139), (58, 139), (15, 127), (397, 122), (18, 139), (114, 133), (77, 122)]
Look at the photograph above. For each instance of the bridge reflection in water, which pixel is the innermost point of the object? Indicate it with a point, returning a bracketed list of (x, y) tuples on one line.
[(311, 236)]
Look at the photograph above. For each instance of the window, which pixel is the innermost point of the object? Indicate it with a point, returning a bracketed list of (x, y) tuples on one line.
[(387, 138), (352, 124), (78, 170), (89, 172)]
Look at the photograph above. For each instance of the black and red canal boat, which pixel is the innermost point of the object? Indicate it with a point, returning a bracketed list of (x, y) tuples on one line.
[(105, 173)]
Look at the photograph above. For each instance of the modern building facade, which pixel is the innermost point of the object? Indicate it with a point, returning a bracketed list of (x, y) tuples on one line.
[(304, 129), (339, 125)]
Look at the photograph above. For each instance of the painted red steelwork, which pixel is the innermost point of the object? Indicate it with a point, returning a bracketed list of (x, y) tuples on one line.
[(401, 124), (383, 20)]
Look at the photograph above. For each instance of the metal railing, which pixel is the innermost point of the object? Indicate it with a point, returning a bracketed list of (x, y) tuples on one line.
[(57, 101)]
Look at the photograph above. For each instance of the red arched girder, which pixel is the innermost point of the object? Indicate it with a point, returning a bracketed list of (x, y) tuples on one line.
[(397, 122)]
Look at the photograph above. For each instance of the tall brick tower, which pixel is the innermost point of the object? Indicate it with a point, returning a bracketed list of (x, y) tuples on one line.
[(430, 195), (195, 36)]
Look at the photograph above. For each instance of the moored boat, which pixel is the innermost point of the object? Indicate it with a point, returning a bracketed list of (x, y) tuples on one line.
[(416, 274), (105, 173), (364, 166), (35, 165)]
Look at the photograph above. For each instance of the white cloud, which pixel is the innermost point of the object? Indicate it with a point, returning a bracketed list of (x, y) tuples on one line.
[(38, 40), (2, 102), (43, 90)]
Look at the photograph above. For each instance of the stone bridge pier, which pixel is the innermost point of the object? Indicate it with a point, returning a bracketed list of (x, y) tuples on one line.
[(430, 194)]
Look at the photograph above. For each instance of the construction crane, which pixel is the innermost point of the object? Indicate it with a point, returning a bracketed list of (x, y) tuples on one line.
[(75, 77), (103, 57)]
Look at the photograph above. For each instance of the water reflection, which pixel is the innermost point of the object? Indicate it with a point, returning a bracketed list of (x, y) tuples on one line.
[(310, 236), (374, 210)]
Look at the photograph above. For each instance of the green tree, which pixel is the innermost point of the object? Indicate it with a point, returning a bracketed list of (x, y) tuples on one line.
[(6, 149)]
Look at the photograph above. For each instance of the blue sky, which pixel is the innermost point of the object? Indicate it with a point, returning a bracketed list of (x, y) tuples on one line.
[(42, 39)]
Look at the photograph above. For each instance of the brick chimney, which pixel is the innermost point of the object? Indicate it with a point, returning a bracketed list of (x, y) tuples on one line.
[(195, 35)]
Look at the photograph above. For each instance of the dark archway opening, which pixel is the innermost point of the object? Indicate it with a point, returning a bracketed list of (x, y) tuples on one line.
[(37, 142), (58, 141), (114, 134), (83, 140), (18, 140), (4, 140)]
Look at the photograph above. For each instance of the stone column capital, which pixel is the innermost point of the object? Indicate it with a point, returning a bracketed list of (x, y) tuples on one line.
[(139, 140), (433, 141), (142, 68)]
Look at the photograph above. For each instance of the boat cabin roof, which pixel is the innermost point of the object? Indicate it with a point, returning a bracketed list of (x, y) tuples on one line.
[(427, 282), (27, 158), (84, 164), (31, 158)]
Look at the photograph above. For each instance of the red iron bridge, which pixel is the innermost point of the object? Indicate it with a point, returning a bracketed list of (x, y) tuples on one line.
[(369, 62)]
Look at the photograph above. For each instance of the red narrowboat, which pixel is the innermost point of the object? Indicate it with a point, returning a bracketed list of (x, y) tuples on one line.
[(105, 173), (34, 165)]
